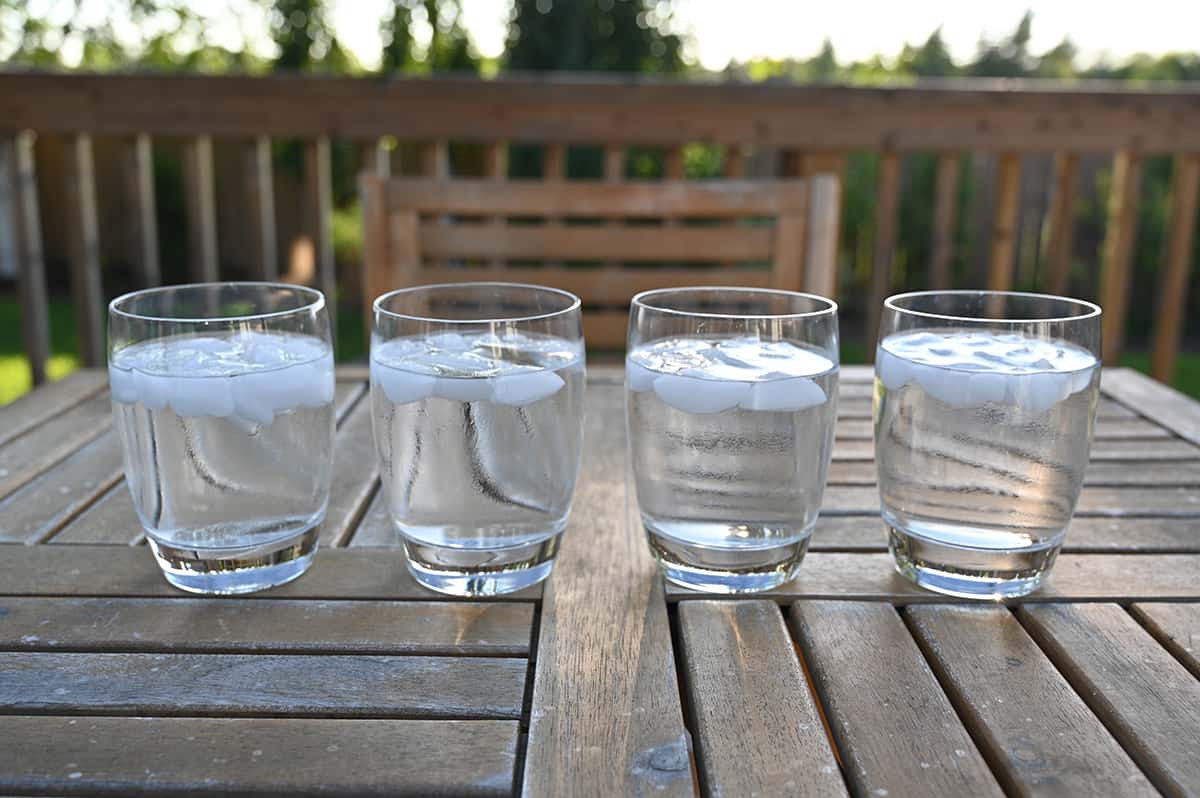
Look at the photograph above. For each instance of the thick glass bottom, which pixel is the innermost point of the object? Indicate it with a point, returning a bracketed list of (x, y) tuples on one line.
[(480, 571), (234, 571), (968, 572), (727, 569)]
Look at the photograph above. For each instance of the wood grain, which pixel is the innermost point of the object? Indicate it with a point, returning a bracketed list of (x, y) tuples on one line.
[(258, 756), (1002, 260), (1147, 699), (1036, 733), (758, 729), (328, 685), (376, 528), (259, 625), (895, 730), (45, 446), (355, 475), (28, 411), (1177, 627), (1157, 402), (606, 717), (1060, 224)]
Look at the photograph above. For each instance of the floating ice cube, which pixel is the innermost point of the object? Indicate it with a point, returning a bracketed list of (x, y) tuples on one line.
[(695, 395), (152, 390), (788, 395), (402, 387), (451, 342), (892, 371), (200, 396), (637, 377), (463, 389), (122, 385), (250, 404), (1081, 379), (525, 389), (985, 387), (1039, 392)]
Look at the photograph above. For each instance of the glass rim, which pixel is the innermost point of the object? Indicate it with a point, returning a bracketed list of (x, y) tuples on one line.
[(831, 307), (316, 302), (1091, 309), (575, 302)]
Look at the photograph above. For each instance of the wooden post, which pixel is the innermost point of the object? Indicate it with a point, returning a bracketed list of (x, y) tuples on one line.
[(673, 163), (143, 223), (1061, 223), (554, 168), (85, 251), (945, 209), (1172, 298), (824, 221), (614, 164), (18, 175), (495, 167), (260, 188), (887, 197), (435, 160), (1004, 225), (201, 208), (1117, 253), (377, 255), (733, 165), (318, 173)]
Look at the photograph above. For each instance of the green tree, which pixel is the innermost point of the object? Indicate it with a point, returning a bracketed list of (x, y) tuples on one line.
[(397, 38), (592, 35), (1008, 58), (931, 60)]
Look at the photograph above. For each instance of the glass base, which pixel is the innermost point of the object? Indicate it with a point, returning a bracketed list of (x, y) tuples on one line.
[(986, 574), (727, 569), (480, 572), (226, 572)]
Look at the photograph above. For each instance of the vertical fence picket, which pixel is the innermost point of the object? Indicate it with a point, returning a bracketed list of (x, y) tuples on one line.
[(1172, 298), (85, 251), (201, 208), (1117, 257), (141, 205)]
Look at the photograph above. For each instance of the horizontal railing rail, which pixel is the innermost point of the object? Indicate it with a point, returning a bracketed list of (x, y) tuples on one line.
[(812, 128)]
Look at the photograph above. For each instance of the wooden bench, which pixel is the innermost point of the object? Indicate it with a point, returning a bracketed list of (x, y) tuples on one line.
[(603, 242)]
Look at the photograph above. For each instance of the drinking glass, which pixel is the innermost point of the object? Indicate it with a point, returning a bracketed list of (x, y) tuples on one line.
[(477, 402), (223, 398), (730, 402), (984, 405)]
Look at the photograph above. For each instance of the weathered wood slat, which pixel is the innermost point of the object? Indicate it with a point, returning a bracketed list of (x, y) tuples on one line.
[(1147, 699), (606, 714), (1076, 577), (260, 188), (823, 229), (758, 729), (1157, 402), (1177, 261), (28, 411), (42, 507), (605, 286), (1170, 449), (1117, 252), (263, 626), (258, 756), (1093, 501), (1106, 429), (319, 179), (887, 204), (1100, 473), (376, 528), (31, 264), (33, 453), (895, 730), (945, 208), (1177, 627), (199, 196), (103, 570), (866, 533), (575, 242), (1060, 224), (328, 685), (141, 205), (1035, 732), (1002, 260), (84, 239), (355, 475)]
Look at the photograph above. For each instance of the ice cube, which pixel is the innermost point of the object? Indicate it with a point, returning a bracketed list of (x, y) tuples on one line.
[(152, 390), (788, 395), (451, 342), (694, 395), (122, 385), (249, 403), (984, 388), (401, 387), (525, 389), (201, 396), (1039, 392), (945, 385), (638, 378), (1081, 379), (892, 371), (463, 389)]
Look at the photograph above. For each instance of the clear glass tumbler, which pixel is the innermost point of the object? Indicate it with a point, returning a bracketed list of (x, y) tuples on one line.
[(984, 405), (223, 398), (477, 401), (731, 398)]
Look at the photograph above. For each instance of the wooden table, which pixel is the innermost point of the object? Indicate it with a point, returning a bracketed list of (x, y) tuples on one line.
[(353, 680)]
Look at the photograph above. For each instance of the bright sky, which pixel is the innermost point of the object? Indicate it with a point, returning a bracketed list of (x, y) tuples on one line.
[(722, 30)]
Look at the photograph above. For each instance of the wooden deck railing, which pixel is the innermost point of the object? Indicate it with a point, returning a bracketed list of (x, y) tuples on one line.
[(813, 127)]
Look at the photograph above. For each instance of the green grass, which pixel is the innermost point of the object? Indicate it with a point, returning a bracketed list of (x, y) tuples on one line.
[(15, 378)]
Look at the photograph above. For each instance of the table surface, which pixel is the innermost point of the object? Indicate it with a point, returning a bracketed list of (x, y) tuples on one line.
[(354, 680)]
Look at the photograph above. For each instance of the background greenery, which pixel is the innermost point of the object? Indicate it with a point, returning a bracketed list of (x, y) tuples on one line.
[(629, 36)]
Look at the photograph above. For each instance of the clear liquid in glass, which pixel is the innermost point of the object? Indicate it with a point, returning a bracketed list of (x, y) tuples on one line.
[(981, 443), (730, 441), (479, 438), (228, 440)]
